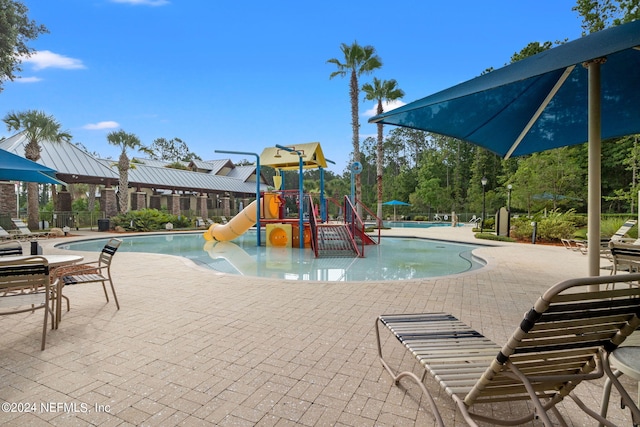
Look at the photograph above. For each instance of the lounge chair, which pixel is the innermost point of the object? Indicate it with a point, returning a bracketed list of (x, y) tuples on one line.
[(563, 340), (25, 286), (90, 272), (623, 230), (23, 230), (5, 235), (10, 247), (618, 236), (625, 257)]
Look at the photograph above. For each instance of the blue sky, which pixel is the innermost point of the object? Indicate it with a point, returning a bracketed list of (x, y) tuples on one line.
[(245, 75)]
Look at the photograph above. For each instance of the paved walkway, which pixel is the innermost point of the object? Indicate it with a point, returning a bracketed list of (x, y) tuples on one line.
[(194, 347)]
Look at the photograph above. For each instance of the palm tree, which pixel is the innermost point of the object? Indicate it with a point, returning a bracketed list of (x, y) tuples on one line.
[(358, 60), (381, 90), (123, 140), (36, 126)]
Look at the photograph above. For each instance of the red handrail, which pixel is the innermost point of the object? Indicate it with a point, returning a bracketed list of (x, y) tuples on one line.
[(354, 222), (313, 225), (376, 217)]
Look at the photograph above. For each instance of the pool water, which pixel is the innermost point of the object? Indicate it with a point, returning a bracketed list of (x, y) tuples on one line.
[(417, 224), (394, 258)]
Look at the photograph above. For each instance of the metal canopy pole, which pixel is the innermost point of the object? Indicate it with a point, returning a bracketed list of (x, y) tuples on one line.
[(594, 192)]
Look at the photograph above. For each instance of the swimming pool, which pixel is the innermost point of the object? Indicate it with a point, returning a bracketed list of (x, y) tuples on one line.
[(395, 258), (417, 224)]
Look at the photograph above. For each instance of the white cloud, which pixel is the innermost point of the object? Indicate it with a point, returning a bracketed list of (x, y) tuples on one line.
[(386, 106), (27, 79), (102, 125), (143, 2), (46, 59)]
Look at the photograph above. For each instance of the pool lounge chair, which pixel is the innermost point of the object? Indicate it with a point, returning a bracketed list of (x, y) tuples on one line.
[(625, 257), (5, 235), (10, 247), (618, 236), (566, 338), (23, 230)]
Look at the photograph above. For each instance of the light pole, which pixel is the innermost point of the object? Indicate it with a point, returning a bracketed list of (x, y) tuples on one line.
[(484, 201), (509, 187)]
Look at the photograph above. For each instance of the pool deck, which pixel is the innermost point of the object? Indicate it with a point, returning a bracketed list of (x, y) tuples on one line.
[(194, 347)]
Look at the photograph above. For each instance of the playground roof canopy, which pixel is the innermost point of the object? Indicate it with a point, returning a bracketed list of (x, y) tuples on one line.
[(312, 157)]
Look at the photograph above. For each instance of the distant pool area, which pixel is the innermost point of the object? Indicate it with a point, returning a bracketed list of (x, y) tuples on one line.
[(417, 224), (395, 258)]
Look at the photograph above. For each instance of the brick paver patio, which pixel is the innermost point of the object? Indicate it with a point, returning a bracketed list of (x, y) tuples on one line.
[(194, 347)]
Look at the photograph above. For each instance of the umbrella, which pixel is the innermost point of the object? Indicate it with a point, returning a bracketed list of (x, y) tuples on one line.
[(16, 168), (584, 90), (395, 203)]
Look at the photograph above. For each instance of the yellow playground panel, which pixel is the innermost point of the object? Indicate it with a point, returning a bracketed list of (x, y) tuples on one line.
[(279, 235)]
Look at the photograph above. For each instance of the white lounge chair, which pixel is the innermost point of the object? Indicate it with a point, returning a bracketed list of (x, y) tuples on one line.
[(566, 338), (24, 231)]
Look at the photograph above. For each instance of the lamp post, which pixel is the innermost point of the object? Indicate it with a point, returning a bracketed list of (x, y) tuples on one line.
[(484, 201), (300, 154), (509, 187), (257, 186)]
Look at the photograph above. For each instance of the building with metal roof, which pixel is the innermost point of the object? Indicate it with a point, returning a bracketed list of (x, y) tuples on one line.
[(203, 179), (74, 165)]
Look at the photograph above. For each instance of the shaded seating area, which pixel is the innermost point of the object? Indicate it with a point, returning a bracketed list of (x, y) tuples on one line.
[(98, 271), (566, 338), (25, 286)]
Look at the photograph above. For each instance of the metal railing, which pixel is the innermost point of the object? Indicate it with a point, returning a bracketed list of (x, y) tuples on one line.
[(313, 225), (354, 223)]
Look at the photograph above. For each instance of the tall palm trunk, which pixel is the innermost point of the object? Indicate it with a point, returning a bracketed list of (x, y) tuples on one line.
[(32, 152), (355, 126), (123, 168), (379, 162)]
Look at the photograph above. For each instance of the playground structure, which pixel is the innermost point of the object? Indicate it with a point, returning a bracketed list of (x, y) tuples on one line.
[(312, 228)]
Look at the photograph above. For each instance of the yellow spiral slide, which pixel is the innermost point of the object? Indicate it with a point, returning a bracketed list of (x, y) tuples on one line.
[(245, 219)]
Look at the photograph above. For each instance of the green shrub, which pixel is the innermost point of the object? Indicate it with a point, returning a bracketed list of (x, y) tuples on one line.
[(491, 236), (556, 226), (521, 228), (551, 227), (149, 220)]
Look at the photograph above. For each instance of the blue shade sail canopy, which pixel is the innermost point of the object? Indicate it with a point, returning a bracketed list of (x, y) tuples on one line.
[(540, 102), (396, 203), (16, 168), (586, 90)]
